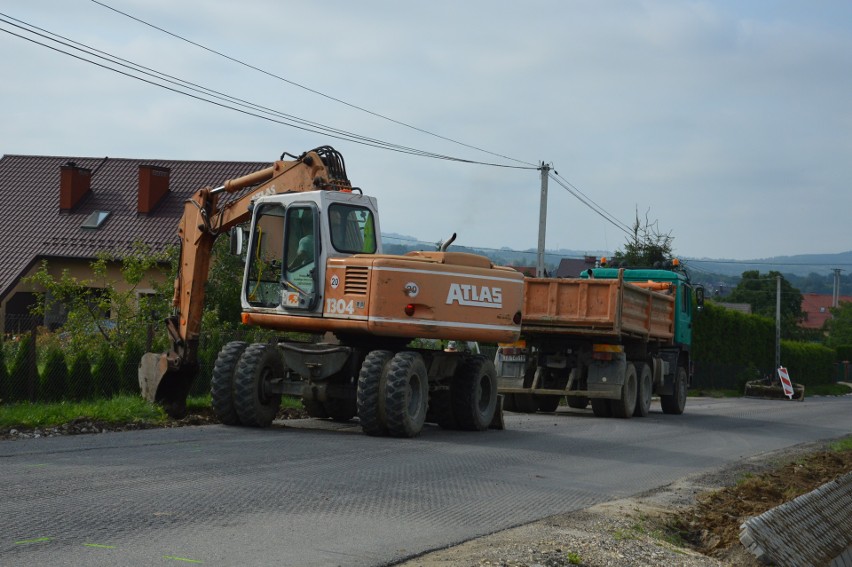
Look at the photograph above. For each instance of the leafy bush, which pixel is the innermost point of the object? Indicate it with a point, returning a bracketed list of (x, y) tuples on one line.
[(81, 382), (53, 385), (133, 352), (19, 379), (4, 376), (107, 374)]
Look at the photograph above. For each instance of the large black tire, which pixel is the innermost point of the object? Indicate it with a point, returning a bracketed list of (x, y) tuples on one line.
[(548, 404), (440, 409), (259, 364), (578, 402), (406, 395), (314, 408), (645, 391), (222, 382), (601, 407), (525, 403), (624, 406), (675, 402), (370, 399), (339, 409), (474, 392)]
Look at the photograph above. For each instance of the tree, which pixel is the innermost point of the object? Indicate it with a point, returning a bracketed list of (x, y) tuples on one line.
[(97, 311), (647, 246), (839, 327), (761, 293)]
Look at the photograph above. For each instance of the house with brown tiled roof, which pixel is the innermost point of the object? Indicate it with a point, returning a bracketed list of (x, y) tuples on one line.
[(67, 210), (816, 308)]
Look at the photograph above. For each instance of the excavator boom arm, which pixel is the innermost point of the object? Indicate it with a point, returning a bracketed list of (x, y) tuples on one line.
[(166, 377)]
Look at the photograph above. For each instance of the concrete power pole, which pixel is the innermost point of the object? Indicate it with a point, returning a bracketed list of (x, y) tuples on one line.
[(777, 323), (542, 220), (835, 297)]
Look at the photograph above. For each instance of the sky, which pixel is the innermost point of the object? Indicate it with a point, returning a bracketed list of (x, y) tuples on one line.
[(729, 124)]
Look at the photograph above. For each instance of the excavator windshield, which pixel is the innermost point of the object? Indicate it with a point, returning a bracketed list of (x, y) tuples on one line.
[(352, 229)]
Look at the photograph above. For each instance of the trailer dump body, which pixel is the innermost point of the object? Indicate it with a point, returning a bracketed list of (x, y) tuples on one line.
[(596, 308)]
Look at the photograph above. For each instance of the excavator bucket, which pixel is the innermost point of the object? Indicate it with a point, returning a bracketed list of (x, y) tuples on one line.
[(162, 384), (772, 390)]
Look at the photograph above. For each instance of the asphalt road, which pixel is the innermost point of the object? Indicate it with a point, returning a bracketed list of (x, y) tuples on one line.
[(298, 494)]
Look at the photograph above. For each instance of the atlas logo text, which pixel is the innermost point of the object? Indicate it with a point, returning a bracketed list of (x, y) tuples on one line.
[(475, 296)]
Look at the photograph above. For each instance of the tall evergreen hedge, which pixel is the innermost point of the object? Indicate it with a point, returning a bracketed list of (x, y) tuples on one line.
[(53, 383)]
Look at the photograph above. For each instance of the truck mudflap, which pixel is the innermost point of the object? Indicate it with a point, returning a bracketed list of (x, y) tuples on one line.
[(166, 384)]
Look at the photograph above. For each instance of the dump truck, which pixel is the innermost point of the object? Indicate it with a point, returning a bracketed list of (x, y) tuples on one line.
[(612, 338), (314, 266)]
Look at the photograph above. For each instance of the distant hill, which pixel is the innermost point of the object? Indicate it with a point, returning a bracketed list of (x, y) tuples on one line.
[(798, 265)]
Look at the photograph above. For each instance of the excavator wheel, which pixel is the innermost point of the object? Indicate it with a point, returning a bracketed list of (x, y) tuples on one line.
[(601, 407), (259, 365), (474, 394), (406, 394), (222, 382), (370, 394), (548, 404)]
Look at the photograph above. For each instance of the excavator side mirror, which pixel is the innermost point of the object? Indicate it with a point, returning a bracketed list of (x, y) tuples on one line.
[(236, 235)]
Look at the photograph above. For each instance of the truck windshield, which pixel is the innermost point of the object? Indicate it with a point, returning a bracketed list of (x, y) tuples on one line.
[(352, 229)]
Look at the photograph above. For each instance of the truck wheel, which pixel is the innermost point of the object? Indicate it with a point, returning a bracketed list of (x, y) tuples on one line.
[(441, 409), (258, 366), (601, 407), (474, 393), (370, 395), (643, 396), (525, 403), (578, 402), (548, 403), (314, 408), (676, 401), (222, 382), (406, 394), (624, 406), (340, 410)]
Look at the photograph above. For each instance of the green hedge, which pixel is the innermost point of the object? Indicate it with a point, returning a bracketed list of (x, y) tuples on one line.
[(730, 347), (808, 363), (844, 353)]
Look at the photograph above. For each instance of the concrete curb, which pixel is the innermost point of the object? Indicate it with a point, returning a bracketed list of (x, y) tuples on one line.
[(814, 529)]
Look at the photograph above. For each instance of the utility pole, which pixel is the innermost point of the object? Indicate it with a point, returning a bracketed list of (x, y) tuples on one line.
[(542, 220), (835, 297), (777, 323)]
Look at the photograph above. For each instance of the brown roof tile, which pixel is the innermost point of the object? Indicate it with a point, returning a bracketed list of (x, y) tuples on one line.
[(34, 227)]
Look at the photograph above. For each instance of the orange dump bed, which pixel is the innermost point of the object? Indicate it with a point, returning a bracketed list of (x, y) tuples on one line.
[(596, 307)]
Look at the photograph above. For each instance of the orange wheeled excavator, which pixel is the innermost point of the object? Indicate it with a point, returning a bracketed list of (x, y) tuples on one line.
[(314, 263)]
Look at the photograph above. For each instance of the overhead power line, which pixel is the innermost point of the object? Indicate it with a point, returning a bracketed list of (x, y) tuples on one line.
[(586, 200), (306, 88), (192, 90)]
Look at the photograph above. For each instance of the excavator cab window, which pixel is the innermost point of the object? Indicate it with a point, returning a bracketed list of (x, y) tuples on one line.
[(301, 250), (265, 257), (352, 229)]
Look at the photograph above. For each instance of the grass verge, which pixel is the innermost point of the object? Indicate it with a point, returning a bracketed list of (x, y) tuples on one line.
[(120, 409)]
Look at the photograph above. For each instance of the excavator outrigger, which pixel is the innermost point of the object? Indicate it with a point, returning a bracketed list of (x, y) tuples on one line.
[(314, 264)]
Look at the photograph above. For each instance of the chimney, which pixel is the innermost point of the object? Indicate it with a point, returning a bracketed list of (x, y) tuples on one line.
[(153, 186), (74, 184)]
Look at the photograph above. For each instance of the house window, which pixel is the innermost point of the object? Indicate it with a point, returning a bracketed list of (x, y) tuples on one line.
[(822, 309)]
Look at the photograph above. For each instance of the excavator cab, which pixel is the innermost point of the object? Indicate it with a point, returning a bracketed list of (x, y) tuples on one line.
[(292, 236)]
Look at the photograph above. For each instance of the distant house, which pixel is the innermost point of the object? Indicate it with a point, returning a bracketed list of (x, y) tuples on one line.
[(573, 267), (816, 308), (67, 210), (741, 307), (528, 271)]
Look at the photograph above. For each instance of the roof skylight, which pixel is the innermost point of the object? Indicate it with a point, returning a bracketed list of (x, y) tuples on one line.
[(95, 220)]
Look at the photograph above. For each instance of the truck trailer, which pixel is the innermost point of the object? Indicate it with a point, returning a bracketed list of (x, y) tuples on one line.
[(612, 338)]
